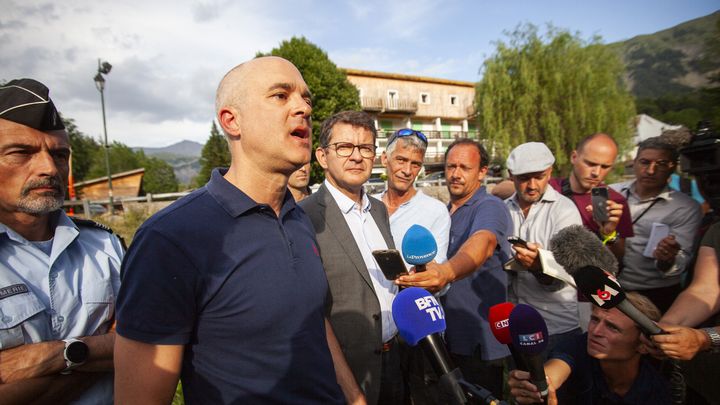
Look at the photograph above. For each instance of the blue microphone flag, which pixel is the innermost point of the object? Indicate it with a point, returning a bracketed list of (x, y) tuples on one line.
[(417, 314), (418, 245)]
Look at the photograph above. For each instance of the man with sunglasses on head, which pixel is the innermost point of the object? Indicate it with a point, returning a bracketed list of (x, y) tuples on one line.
[(408, 206), (652, 202), (350, 225)]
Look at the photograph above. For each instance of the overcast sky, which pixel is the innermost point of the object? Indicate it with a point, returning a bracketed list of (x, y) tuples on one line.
[(168, 56)]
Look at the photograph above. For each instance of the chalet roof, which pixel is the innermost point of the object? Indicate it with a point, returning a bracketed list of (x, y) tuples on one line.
[(398, 76)]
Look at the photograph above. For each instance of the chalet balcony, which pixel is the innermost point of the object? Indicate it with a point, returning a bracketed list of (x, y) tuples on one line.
[(371, 104), (401, 105)]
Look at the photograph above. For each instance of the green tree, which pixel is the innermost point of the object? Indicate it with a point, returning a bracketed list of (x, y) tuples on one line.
[(331, 90), (556, 89), (83, 149), (158, 178), (159, 175), (215, 153)]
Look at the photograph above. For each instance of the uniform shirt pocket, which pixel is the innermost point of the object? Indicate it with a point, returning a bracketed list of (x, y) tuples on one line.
[(20, 320)]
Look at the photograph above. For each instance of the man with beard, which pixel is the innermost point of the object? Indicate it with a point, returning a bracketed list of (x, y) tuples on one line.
[(538, 213), (58, 276)]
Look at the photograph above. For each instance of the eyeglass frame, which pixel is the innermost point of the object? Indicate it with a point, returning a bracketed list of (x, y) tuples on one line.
[(405, 132), (360, 148)]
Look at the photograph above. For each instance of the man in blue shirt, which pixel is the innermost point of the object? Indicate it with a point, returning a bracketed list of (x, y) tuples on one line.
[(225, 287), (58, 276), (478, 248)]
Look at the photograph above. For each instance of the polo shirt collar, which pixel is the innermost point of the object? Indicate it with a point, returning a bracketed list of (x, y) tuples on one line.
[(344, 202), (233, 200), (479, 194)]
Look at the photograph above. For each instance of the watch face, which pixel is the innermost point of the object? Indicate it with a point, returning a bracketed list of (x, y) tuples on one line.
[(77, 352)]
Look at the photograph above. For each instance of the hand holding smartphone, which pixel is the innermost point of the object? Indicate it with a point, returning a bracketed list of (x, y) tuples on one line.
[(514, 240), (599, 196), (390, 262)]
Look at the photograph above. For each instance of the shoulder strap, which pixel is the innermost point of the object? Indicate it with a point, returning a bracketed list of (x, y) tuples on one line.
[(565, 188), (627, 197), (97, 225)]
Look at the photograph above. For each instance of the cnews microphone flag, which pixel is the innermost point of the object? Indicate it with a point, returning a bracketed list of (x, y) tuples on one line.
[(418, 246), (499, 319), (417, 314)]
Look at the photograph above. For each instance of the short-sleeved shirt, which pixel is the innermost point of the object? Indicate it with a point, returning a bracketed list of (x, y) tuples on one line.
[(582, 200), (423, 210), (557, 302), (680, 213), (469, 300), (587, 385), (68, 293), (241, 288)]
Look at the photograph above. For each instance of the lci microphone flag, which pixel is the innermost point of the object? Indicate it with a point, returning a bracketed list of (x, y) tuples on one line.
[(418, 245), (528, 330), (417, 314)]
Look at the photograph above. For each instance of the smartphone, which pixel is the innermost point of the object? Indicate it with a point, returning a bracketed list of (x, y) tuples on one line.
[(514, 240), (390, 262), (599, 196)]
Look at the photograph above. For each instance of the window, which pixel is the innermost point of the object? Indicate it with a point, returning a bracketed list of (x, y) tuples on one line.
[(453, 100), (424, 98), (392, 98)]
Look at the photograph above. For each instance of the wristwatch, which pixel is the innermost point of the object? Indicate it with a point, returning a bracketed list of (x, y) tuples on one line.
[(76, 354), (714, 339)]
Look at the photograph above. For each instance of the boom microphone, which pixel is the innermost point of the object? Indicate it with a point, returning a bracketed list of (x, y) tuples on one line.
[(530, 338), (419, 246), (605, 292), (420, 319), (575, 247), (499, 320)]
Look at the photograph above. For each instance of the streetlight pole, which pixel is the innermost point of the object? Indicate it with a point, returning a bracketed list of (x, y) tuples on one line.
[(104, 68)]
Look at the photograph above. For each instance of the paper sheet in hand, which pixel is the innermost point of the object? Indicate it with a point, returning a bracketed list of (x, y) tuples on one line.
[(549, 267), (659, 232)]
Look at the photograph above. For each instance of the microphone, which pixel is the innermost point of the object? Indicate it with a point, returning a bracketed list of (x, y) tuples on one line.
[(605, 292), (530, 337), (420, 319), (418, 247), (574, 247), (498, 318)]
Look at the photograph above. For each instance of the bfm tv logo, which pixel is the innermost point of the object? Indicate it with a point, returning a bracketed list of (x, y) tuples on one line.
[(601, 297), (431, 307)]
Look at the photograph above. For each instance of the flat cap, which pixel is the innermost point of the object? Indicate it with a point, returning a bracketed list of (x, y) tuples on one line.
[(27, 102), (529, 157)]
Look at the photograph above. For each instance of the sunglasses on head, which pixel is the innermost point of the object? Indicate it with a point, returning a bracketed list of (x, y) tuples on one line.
[(401, 133)]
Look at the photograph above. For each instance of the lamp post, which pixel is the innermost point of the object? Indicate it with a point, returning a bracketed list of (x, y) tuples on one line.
[(103, 69)]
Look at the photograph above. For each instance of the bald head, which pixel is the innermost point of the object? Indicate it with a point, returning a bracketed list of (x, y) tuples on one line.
[(231, 90), (597, 140)]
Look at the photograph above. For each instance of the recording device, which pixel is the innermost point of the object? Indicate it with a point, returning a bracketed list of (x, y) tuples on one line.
[(420, 319), (574, 247), (499, 320), (605, 292), (419, 247), (530, 338), (390, 263), (701, 158), (599, 197), (515, 240)]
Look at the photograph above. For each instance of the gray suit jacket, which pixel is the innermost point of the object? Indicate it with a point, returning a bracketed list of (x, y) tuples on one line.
[(353, 306)]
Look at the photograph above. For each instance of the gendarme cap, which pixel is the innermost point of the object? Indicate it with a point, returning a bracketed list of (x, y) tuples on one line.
[(27, 102)]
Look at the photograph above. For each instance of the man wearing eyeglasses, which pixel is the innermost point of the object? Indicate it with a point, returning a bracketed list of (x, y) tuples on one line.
[(349, 225), (652, 202)]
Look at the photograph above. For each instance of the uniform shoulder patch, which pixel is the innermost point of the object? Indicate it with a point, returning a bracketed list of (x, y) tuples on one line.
[(92, 224)]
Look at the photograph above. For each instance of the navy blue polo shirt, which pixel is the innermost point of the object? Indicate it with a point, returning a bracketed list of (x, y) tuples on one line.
[(242, 289), (468, 301), (587, 385)]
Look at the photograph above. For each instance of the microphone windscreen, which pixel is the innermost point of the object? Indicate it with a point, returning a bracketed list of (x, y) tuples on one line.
[(574, 247), (599, 287), (499, 319), (418, 245), (528, 330), (417, 314)]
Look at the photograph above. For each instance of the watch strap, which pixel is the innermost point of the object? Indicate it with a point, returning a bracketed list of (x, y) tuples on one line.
[(714, 339)]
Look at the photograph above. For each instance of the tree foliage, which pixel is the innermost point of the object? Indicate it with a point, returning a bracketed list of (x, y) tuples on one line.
[(215, 153), (83, 149), (556, 89), (331, 90)]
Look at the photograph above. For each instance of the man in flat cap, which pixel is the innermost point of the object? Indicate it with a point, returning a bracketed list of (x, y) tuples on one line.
[(538, 212), (58, 276)]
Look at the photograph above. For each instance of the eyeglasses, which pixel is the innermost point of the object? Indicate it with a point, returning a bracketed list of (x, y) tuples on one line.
[(659, 164), (346, 149), (401, 133)]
